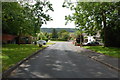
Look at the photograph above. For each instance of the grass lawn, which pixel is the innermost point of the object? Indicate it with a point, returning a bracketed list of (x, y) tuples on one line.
[(49, 43), (58, 41), (110, 51), (13, 53)]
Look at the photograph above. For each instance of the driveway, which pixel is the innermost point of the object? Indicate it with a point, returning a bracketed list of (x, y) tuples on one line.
[(62, 61)]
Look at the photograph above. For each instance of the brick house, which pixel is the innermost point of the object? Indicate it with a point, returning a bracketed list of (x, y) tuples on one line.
[(13, 39)]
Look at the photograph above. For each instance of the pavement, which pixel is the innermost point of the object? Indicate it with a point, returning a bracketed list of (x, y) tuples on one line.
[(64, 60), (107, 60)]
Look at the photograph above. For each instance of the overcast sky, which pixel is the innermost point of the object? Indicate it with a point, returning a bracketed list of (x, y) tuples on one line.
[(58, 16)]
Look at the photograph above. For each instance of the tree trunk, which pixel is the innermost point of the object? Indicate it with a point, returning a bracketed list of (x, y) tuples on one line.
[(18, 39), (80, 40), (104, 29)]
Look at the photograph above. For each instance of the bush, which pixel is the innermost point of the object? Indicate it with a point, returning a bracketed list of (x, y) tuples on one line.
[(55, 39)]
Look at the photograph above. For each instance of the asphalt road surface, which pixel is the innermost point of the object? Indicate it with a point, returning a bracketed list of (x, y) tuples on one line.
[(61, 60)]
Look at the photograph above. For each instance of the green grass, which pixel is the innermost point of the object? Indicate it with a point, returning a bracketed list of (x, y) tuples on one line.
[(110, 51), (13, 53), (49, 43), (58, 41)]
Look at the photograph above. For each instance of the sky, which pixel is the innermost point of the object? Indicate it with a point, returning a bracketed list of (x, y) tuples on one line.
[(58, 16)]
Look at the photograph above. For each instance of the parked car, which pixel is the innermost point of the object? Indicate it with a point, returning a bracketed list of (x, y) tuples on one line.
[(92, 43), (41, 42)]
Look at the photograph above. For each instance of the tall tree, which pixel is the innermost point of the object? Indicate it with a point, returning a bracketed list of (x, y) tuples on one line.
[(14, 21), (20, 18), (96, 16), (39, 13), (54, 34), (39, 10)]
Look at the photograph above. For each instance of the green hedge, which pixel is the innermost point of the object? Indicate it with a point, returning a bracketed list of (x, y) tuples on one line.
[(54, 39)]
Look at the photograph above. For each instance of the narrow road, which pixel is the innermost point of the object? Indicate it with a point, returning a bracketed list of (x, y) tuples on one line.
[(62, 61)]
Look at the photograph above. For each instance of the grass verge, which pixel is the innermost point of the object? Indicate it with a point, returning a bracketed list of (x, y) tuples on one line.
[(110, 51), (13, 53), (58, 41), (50, 43)]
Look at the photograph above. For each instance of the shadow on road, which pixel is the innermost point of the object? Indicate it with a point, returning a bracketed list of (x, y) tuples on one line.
[(62, 63)]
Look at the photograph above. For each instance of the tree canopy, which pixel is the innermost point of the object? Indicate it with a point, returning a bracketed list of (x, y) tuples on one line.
[(92, 17), (22, 18), (54, 34), (63, 35)]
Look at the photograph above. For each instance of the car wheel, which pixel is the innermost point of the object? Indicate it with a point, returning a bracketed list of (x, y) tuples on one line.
[(44, 43)]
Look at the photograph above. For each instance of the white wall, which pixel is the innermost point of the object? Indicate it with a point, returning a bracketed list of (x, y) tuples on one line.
[(90, 38)]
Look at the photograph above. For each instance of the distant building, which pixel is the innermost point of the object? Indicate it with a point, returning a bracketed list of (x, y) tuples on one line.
[(89, 38)]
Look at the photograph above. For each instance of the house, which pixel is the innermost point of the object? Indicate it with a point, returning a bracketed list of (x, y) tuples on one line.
[(89, 38), (14, 39), (7, 38)]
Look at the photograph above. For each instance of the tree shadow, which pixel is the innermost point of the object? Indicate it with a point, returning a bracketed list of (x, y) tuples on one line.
[(55, 63)]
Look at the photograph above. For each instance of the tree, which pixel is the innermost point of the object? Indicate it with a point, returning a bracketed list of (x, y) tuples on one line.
[(14, 21), (20, 18), (95, 16), (39, 11), (54, 34), (43, 36), (63, 35), (79, 36)]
